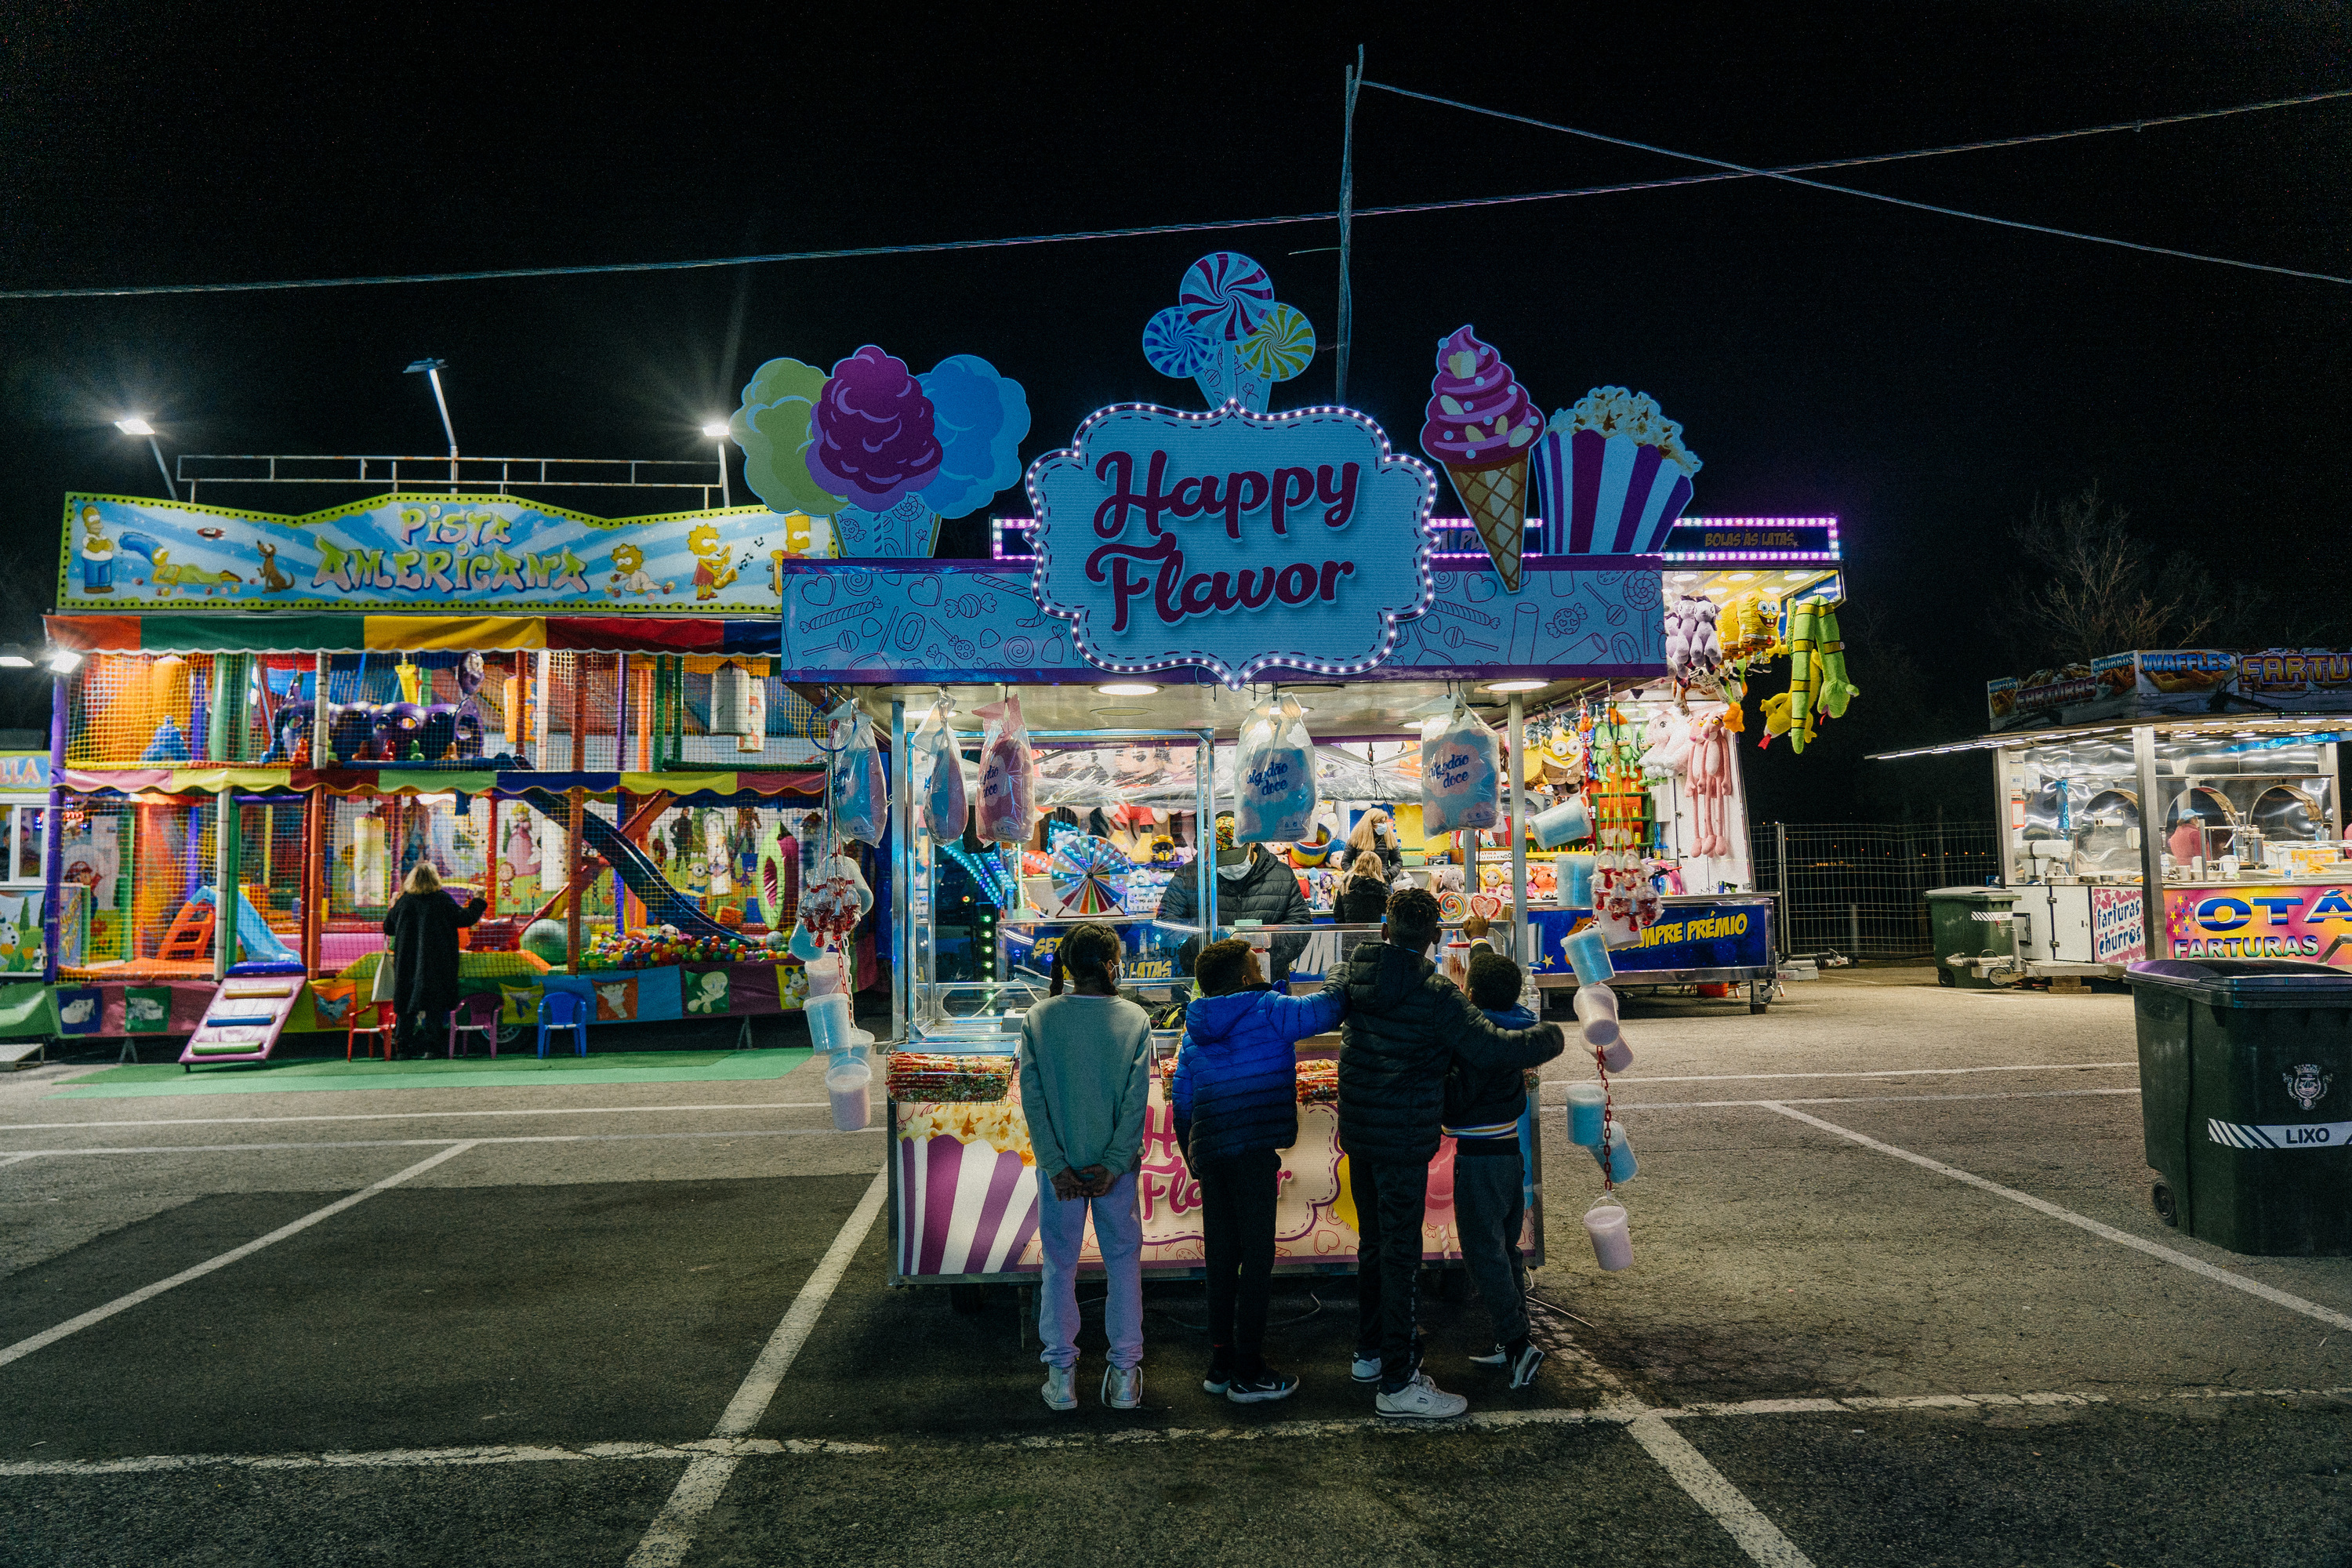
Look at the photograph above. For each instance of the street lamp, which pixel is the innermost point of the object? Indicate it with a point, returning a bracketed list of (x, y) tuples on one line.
[(135, 426), (432, 369), (64, 660), (715, 432)]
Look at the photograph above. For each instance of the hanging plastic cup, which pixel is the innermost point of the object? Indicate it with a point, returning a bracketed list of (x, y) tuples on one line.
[(1574, 875), (1616, 1056), (1585, 1101), (1612, 1247), (829, 1022), (1563, 823), (1596, 1009), (1588, 954), (1619, 1164), (849, 1083)]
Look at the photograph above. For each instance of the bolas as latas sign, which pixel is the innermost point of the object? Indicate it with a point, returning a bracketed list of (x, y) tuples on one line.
[(1233, 539)]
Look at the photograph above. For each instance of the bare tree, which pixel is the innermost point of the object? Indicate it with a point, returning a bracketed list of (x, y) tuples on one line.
[(2093, 592)]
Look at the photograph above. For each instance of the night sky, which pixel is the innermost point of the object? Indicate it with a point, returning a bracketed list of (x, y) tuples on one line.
[(1921, 377)]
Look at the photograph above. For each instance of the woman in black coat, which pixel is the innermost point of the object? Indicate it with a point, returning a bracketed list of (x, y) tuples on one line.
[(1364, 897), (421, 928)]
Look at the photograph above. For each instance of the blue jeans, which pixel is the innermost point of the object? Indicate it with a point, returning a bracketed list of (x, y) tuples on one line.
[(1119, 1233)]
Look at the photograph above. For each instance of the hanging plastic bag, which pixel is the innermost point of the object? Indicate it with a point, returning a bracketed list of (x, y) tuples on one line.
[(1273, 776), (938, 776), (1008, 813), (1461, 773), (859, 790)]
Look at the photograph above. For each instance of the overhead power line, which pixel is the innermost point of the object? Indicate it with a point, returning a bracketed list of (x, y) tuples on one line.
[(1794, 175), (1727, 172)]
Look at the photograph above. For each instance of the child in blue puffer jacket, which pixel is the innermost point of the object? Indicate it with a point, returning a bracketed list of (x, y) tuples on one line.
[(1236, 1092)]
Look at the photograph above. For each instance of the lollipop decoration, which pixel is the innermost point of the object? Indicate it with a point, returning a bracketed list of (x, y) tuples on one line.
[(1228, 333)]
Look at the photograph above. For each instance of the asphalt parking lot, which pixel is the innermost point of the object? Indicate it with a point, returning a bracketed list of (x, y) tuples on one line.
[(1898, 1297)]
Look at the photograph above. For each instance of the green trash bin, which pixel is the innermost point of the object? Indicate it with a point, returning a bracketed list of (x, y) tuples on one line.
[(1969, 923), (2246, 1072)]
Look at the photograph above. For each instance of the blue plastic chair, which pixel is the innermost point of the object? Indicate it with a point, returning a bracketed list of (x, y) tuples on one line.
[(564, 1010)]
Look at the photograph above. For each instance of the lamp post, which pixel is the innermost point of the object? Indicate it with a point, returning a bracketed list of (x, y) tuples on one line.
[(135, 426), (432, 369), (715, 432)]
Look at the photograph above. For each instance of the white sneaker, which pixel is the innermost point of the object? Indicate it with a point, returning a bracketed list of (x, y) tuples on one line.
[(1123, 1387), (1365, 1368), (1420, 1400), (1061, 1390), (1499, 1356)]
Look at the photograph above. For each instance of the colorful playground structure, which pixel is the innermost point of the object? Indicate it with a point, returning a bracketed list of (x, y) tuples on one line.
[(590, 775)]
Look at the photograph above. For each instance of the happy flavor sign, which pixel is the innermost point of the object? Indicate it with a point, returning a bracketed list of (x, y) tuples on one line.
[(1234, 540)]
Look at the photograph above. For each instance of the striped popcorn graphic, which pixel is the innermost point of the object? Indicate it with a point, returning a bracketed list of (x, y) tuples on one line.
[(1607, 495)]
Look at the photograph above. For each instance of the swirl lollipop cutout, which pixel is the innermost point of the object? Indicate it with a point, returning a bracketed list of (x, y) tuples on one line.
[(1226, 295), (1282, 345), (1174, 345)]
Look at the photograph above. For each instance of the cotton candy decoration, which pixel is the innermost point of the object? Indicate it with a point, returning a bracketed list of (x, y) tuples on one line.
[(938, 776), (857, 786), (1273, 776), (1008, 813), (1461, 773)]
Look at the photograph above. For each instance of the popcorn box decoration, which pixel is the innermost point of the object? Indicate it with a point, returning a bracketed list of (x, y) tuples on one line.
[(1615, 475)]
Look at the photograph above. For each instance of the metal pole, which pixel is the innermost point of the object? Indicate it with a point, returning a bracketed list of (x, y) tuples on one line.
[(228, 844), (1519, 946), (726, 493), (433, 374), (1354, 76), (902, 840), (162, 468), (53, 852), (1204, 836), (2151, 842), (1781, 864)]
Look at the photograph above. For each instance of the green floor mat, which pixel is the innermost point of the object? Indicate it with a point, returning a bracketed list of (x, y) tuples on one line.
[(508, 1071)]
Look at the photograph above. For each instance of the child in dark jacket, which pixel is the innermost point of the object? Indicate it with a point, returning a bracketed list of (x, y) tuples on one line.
[(1237, 1093), (1482, 1107)]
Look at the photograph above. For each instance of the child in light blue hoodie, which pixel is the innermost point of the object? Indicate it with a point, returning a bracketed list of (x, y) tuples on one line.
[(1236, 1092)]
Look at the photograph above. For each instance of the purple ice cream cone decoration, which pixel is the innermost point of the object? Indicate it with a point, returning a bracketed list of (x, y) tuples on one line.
[(1615, 475), (1228, 332)]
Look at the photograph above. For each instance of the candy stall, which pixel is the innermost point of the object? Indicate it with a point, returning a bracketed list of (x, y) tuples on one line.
[(1246, 612)]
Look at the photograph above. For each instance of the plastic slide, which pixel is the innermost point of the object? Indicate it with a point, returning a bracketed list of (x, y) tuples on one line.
[(258, 946), (665, 905), (244, 1019)]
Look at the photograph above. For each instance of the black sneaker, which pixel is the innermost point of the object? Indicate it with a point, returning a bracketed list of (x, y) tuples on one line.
[(1221, 1371), (1263, 1385), (1526, 1357)]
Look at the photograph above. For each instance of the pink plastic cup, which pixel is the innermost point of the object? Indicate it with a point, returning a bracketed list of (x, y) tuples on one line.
[(1612, 1247)]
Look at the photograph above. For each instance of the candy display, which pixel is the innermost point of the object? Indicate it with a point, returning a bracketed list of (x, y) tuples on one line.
[(950, 1079), (1275, 775), (1460, 772), (1007, 810), (1481, 427)]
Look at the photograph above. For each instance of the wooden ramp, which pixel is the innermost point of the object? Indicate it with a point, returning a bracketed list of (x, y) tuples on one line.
[(244, 1020)]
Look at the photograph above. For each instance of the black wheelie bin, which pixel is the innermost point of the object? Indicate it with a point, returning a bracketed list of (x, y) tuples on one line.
[(2245, 1071)]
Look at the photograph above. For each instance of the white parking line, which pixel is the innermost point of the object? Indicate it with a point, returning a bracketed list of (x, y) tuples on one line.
[(1876, 1072), (1273, 1431), (1704, 1485), (429, 1142), (672, 1533), (1868, 1098), (25, 1347), (2313, 1309), (416, 1115)]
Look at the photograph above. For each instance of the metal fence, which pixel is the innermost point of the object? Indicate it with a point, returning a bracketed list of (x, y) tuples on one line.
[(1858, 889)]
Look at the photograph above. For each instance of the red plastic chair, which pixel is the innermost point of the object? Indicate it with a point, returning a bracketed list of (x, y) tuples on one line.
[(385, 1016), (475, 1015)]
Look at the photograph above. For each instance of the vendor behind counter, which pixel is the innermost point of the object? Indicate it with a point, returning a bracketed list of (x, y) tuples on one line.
[(1252, 884)]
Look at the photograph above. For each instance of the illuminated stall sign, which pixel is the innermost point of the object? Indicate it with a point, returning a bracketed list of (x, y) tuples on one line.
[(2305, 920), (1233, 539), (426, 552)]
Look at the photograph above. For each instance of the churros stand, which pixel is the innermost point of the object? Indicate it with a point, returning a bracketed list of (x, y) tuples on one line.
[(2211, 774)]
